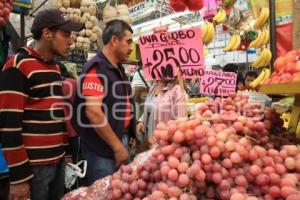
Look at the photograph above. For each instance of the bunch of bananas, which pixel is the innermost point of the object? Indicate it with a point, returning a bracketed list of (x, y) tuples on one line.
[(286, 119), (228, 3), (261, 39), (264, 75), (264, 59), (262, 18), (208, 32), (233, 43), (220, 17)]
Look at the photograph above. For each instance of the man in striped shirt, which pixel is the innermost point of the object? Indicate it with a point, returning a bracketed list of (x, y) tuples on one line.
[(32, 124)]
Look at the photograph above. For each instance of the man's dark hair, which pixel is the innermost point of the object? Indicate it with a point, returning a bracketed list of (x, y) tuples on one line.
[(251, 74), (240, 78), (230, 68), (115, 27)]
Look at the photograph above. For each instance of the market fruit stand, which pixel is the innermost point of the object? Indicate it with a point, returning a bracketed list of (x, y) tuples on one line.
[(287, 89)]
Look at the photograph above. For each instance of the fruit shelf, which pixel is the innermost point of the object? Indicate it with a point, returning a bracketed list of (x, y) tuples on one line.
[(287, 89)]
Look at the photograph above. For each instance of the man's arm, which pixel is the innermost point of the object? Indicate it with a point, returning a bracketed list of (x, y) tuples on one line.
[(98, 119), (13, 97)]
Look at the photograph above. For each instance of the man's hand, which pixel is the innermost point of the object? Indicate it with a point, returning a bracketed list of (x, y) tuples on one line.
[(132, 143), (19, 191), (121, 156), (140, 128), (68, 159)]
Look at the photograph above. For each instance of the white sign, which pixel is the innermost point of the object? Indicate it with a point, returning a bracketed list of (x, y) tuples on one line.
[(143, 9)]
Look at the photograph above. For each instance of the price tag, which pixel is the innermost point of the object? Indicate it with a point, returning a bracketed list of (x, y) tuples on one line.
[(169, 54), (218, 83)]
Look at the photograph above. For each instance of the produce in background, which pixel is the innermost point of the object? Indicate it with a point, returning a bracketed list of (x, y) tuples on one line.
[(5, 10), (228, 3), (261, 40), (86, 14), (119, 12), (181, 5), (177, 5), (220, 17), (208, 32), (262, 18), (264, 75), (263, 59), (226, 155), (233, 43), (287, 69)]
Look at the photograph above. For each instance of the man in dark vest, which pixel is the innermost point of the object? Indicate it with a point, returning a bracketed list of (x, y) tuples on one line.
[(105, 105)]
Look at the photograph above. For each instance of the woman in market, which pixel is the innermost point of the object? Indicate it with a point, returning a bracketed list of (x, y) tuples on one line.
[(166, 100)]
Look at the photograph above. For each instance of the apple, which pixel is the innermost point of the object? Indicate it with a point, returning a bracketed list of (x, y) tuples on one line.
[(2, 21), (6, 11), (290, 67), (279, 63), (267, 81), (275, 80), (281, 71), (1, 5), (285, 78), (298, 66), (295, 77)]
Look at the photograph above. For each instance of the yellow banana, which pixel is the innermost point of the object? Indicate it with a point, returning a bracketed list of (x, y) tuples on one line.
[(262, 18), (254, 42), (268, 57), (267, 75), (267, 37), (264, 59), (231, 43), (220, 17), (204, 31), (237, 43), (260, 60), (263, 37), (210, 33), (259, 79)]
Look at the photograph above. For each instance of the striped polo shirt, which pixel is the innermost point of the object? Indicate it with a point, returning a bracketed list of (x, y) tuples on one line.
[(32, 124)]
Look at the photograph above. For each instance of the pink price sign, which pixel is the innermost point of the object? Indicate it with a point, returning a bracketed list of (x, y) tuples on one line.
[(218, 83), (165, 55)]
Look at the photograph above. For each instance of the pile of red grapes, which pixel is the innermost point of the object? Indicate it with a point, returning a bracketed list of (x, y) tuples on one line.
[(224, 151)]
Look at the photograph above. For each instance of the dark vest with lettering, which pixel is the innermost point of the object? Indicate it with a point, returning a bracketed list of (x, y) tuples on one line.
[(114, 105)]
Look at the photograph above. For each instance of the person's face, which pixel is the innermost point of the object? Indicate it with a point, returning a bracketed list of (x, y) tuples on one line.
[(122, 46), (60, 42), (240, 85), (248, 80)]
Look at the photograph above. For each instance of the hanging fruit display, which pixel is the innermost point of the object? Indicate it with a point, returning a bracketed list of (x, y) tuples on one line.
[(220, 17), (263, 59), (262, 18), (234, 43), (208, 32), (5, 10), (264, 75), (181, 5), (178, 5)]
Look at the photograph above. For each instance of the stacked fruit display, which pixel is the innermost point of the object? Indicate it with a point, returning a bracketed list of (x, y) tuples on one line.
[(85, 12), (223, 152), (5, 10), (287, 69), (261, 42)]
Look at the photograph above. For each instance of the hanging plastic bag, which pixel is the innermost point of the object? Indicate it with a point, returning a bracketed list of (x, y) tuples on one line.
[(73, 171)]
